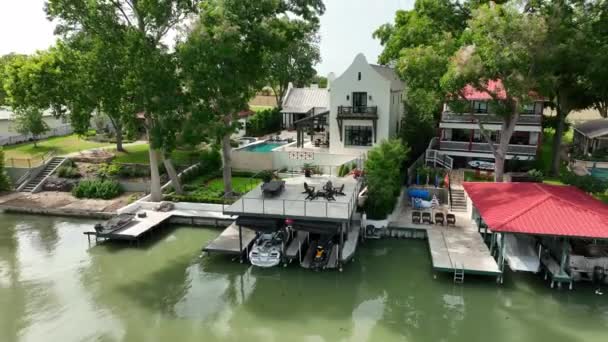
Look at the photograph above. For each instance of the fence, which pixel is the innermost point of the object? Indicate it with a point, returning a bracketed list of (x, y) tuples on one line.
[(57, 131)]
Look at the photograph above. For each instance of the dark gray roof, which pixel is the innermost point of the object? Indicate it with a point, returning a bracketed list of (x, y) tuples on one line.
[(593, 128), (301, 100)]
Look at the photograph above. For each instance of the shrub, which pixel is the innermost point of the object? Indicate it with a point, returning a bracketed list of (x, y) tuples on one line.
[(68, 172), (266, 176), (383, 176), (586, 183), (344, 170), (109, 170), (97, 188), (264, 122), (536, 175), (5, 183)]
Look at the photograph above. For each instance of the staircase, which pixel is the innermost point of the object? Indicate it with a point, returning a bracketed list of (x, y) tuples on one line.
[(34, 184), (459, 201), (459, 275)]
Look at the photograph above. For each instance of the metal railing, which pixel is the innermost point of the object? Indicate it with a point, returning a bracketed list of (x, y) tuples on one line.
[(485, 148), (488, 118), (439, 159), (29, 163), (363, 111)]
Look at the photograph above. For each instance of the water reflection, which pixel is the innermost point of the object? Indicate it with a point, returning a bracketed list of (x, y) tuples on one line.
[(54, 287)]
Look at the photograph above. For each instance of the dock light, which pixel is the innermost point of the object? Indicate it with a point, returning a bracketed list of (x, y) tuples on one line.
[(288, 222)]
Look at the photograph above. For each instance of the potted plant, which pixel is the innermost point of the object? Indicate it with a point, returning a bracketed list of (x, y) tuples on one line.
[(308, 169), (266, 176)]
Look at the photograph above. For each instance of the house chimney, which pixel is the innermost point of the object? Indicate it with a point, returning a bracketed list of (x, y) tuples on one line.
[(330, 79)]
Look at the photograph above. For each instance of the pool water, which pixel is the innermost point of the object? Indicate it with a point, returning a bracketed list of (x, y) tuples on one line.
[(263, 147), (599, 173)]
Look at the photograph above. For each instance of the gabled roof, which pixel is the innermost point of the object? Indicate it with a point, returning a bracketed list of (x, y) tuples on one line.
[(389, 74), (539, 209), (301, 100), (593, 128)]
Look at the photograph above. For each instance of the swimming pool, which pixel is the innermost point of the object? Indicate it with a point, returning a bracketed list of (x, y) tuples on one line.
[(599, 173), (264, 147)]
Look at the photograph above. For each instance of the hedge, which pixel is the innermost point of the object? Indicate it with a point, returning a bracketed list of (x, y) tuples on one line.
[(97, 188)]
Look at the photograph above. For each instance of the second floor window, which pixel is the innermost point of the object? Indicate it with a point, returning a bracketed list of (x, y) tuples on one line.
[(528, 108), (480, 107)]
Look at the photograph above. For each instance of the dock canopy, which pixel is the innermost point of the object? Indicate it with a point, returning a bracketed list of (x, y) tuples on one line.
[(539, 209)]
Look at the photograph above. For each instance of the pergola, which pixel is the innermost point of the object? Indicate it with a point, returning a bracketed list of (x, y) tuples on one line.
[(309, 124)]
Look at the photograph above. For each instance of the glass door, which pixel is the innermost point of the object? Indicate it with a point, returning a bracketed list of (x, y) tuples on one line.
[(359, 102)]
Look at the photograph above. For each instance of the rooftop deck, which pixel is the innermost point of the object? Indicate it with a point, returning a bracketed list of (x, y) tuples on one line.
[(292, 203)]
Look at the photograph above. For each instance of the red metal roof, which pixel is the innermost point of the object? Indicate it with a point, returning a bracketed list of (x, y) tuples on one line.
[(495, 87), (539, 209)]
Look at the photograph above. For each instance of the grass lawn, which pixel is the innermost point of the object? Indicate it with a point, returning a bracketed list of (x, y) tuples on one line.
[(482, 176), (138, 154), (59, 145), (260, 108), (239, 184)]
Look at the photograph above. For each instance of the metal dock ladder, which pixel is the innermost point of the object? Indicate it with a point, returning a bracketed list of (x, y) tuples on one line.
[(459, 275)]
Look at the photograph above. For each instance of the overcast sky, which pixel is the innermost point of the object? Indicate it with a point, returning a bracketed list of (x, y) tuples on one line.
[(346, 29)]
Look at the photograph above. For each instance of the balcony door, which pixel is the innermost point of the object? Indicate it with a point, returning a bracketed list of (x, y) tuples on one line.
[(359, 102)]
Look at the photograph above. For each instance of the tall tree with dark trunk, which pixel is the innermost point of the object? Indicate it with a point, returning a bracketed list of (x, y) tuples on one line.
[(501, 46), (144, 24), (224, 59)]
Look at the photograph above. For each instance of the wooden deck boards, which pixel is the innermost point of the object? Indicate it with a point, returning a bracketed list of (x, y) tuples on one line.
[(296, 244), (228, 241)]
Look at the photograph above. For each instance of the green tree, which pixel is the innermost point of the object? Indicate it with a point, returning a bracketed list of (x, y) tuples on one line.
[(30, 121), (321, 81), (500, 43), (594, 23), (150, 83), (294, 62), (4, 62), (384, 177), (224, 57), (5, 182)]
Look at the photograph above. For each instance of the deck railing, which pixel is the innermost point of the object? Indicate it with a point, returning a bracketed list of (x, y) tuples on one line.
[(485, 148), (527, 119)]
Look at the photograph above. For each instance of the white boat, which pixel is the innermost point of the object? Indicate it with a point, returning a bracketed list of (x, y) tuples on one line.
[(266, 252)]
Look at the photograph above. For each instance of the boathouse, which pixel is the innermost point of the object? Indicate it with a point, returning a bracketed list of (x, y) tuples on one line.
[(558, 230)]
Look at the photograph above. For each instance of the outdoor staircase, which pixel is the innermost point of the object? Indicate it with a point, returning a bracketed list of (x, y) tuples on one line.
[(459, 201), (34, 184), (459, 275)]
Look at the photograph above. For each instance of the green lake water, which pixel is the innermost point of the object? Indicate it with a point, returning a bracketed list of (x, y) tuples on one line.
[(54, 287)]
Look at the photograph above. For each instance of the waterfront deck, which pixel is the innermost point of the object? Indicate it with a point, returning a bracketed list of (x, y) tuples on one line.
[(228, 241), (292, 202), (452, 248), (136, 228)]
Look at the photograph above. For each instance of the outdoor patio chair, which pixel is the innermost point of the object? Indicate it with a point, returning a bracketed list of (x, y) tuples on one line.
[(416, 217), (311, 194), (308, 188), (340, 191), (439, 218), (426, 218), (328, 186), (451, 220)]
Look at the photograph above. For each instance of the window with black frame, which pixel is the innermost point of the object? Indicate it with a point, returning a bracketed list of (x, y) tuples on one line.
[(480, 107), (359, 102), (358, 135)]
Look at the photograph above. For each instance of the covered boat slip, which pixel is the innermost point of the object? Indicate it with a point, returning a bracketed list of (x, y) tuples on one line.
[(234, 240), (292, 202), (521, 253), (296, 250)]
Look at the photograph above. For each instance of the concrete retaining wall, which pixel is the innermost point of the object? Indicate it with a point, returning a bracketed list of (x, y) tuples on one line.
[(59, 212)]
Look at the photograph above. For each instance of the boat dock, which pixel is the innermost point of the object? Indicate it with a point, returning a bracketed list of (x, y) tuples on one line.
[(350, 244), (457, 250), (331, 263), (234, 240), (295, 248)]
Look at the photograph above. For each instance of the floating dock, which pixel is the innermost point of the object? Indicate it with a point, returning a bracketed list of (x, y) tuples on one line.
[(231, 242), (463, 250), (136, 228), (350, 244)]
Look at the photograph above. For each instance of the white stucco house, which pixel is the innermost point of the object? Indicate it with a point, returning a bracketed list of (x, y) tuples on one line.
[(337, 125), (9, 136), (366, 106)]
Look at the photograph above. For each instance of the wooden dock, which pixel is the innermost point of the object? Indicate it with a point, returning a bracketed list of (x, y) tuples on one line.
[(228, 241), (294, 250), (350, 244), (133, 230), (454, 249)]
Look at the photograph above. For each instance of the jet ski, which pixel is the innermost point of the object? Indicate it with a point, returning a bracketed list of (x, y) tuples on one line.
[(321, 254)]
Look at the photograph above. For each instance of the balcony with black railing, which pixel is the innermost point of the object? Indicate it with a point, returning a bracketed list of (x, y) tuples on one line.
[(357, 112)]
